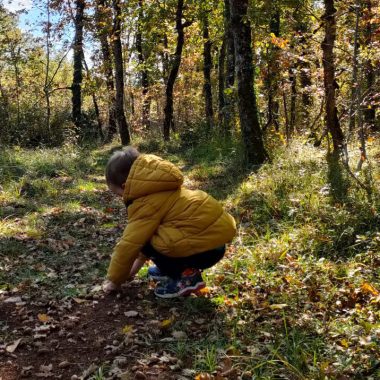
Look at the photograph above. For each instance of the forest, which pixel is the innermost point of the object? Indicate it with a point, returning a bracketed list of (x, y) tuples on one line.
[(270, 106)]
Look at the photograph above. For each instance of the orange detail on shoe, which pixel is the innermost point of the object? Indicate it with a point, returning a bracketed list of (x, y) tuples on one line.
[(188, 272)]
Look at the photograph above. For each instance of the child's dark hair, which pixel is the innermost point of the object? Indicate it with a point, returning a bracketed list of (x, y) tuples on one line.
[(119, 166)]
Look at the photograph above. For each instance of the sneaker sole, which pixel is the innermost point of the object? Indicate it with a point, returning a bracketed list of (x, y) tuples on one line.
[(183, 292), (158, 278)]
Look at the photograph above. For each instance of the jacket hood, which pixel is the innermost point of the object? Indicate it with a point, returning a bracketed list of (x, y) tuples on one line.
[(151, 174)]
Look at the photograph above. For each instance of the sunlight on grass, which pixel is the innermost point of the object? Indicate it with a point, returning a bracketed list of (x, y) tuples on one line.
[(297, 293)]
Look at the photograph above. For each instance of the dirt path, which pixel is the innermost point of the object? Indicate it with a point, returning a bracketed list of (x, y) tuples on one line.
[(122, 334)]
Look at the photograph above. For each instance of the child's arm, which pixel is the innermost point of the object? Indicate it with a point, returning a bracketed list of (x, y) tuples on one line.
[(109, 286), (139, 262)]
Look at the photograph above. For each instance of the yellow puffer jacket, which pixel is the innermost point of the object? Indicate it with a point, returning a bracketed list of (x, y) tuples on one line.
[(177, 222)]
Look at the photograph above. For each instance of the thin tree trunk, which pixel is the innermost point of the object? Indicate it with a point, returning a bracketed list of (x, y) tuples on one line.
[(355, 84), (370, 109), (303, 27), (230, 71), (15, 57), (47, 69), (119, 74), (287, 128), (103, 19), (293, 101), (332, 121), (180, 26), (165, 60), (207, 66), (273, 69), (221, 80), (78, 56), (5, 103), (94, 101), (249, 120), (143, 71)]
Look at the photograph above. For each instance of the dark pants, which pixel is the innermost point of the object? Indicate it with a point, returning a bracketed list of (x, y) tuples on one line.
[(174, 266)]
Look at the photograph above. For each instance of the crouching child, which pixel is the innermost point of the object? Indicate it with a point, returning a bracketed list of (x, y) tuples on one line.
[(182, 231)]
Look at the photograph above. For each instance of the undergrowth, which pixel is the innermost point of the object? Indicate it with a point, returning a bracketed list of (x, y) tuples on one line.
[(298, 289)]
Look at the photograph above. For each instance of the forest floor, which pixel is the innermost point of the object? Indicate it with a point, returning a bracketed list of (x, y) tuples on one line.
[(296, 297)]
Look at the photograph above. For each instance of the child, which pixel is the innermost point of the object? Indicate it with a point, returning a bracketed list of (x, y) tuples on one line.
[(182, 231)]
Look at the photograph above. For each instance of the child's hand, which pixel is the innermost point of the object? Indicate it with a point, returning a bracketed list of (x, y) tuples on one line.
[(109, 287)]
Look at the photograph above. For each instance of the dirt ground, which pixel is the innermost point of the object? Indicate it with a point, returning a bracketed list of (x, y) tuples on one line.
[(80, 338)]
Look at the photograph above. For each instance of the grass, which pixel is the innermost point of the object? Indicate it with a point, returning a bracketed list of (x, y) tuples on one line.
[(297, 296)]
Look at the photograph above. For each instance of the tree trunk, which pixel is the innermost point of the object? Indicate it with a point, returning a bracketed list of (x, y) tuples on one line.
[(230, 71), (47, 69), (301, 28), (332, 121), (221, 80), (293, 101), (102, 21), (119, 74), (249, 120), (15, 57), (207, 66), (168, 122), (355, 83), (370, 109), (77, 58), (272, 79), (143, 71), (94, 101)]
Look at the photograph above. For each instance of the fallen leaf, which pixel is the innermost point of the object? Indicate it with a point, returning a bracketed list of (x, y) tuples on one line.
[(91, 369), (13, 300), (131, 313), (179, 335), (166, 323), (204, 291), (204, 376), (127, 329), (46, 368), (368, 288), (43, 318), (344, 343), (79, 300), (12, 347), (278, 306)]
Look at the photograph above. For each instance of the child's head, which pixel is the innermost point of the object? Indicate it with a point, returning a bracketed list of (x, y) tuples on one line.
[(118, 167)]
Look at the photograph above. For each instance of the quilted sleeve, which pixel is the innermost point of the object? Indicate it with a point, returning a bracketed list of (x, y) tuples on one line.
[(143, 222)]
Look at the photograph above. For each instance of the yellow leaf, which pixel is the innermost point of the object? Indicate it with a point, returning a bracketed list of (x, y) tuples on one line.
[(204, 376), (344, 343), (127, 329), (204, 291), (43, 318), (166, 323), (368, 288), (278, 306)]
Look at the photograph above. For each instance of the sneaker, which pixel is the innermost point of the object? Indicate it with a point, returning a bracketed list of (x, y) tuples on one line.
[(155, 274), (190, 282)]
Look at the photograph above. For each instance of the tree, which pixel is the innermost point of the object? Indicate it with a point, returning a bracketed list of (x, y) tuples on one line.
[(119, 74), (230, 71), (249, 120), (370, 109), (180, 26), (144, 77), (207, 66), (78, 61), (103, 19), (331, 116), (272, 77)]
